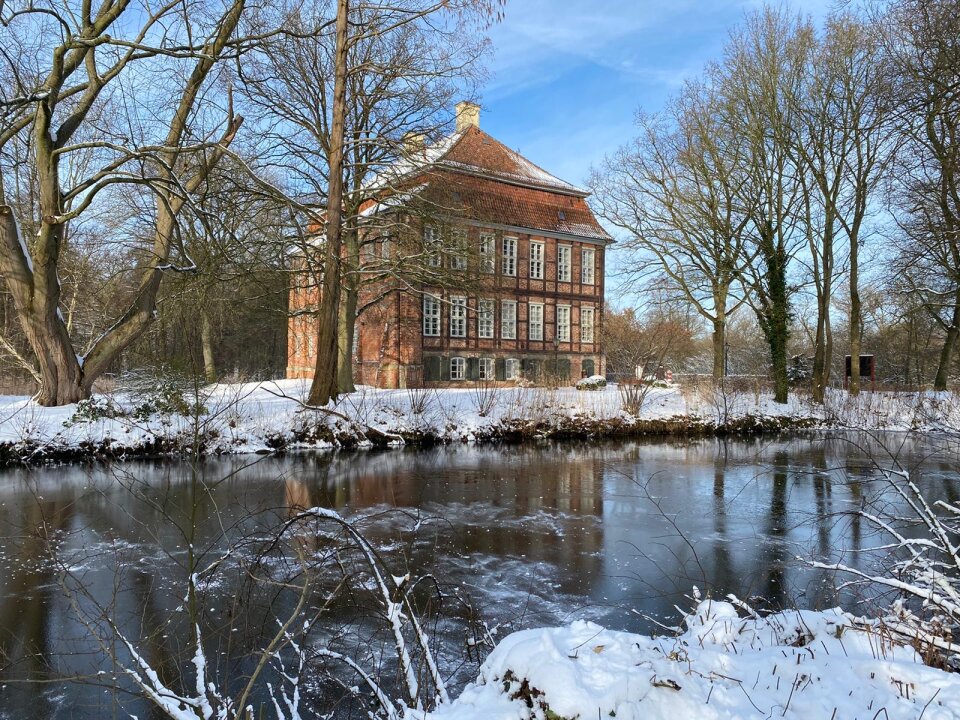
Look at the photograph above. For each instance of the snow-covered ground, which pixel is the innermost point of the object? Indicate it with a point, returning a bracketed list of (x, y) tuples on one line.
[(256, 417), (795, 664)]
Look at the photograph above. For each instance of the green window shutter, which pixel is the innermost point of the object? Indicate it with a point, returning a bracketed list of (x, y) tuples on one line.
[(431, 368), (444, 368), (588, 367), (473, 368), (534, 371), (500, 368)]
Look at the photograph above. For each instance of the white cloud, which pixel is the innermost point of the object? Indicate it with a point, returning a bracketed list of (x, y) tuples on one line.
[(540, 40)]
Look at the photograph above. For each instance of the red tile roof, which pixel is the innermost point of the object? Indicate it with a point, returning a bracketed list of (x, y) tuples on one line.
[(486, 200), (471, 173), (476, 151)]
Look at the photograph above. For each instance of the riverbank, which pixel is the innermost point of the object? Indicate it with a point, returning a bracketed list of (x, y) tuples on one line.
[(797, 664), (272, 417)]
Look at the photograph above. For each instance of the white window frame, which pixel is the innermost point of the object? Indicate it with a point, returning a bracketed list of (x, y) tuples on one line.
[(458, 368), (508, 319), (485, 315), (511, 368), (537, 253), (488, 252), (486, 369), (509, 255), (587, 319), (431, 316), (433, 245), (535, 321), (588, 267), (563, 323), (564, 255), (458, 316), (458, 261)]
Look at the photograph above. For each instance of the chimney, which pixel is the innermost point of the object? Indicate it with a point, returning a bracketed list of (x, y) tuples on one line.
[(414, 143), (468, 115)]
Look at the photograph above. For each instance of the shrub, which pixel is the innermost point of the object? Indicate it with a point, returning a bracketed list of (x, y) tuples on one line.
[(163, 394), (594, 382), (93, 409)]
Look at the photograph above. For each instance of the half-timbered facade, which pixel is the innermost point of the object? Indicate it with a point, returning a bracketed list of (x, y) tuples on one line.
[(534, 308)]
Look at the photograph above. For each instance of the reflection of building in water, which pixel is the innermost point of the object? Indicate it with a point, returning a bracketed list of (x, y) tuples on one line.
[(504, 502), (526, 481)]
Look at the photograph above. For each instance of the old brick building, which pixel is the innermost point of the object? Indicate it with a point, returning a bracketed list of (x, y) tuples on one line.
[(536, 253)]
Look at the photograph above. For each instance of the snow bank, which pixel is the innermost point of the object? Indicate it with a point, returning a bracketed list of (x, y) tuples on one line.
[(264, 417), (795, 664)]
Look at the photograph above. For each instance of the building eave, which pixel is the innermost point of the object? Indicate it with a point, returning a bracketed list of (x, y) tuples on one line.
[(544, 232)]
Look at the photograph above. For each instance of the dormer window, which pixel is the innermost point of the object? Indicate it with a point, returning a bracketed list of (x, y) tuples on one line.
[(561, 215)]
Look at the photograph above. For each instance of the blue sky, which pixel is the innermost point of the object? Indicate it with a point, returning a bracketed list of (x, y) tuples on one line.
[(569, 75)]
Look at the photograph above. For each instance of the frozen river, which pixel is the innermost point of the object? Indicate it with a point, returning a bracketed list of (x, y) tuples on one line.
[(618, 533)]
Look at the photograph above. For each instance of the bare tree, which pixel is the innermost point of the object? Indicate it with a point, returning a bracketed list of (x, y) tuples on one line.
[(404, 62), (923, 39), (843, 143), (676, 192), (66, 62), (760, 78)]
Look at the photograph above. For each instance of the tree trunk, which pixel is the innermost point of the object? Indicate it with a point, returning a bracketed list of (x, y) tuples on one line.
[(206, 346), (822, 344), (36, 297), (774, 316), (719, 348), (778, 363), (348, 316), (348, 311), (855, 319), (778, 333), (949, 343), (822, 354), (324, 386)]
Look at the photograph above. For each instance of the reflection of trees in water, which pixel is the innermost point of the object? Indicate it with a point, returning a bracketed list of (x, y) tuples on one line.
[(724, 573), (774, 554), (509, 508), (28, 589)]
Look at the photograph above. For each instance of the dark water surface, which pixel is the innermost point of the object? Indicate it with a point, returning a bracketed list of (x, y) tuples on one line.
[(618, 533)]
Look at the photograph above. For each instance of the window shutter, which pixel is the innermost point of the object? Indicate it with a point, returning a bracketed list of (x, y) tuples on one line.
[(588, 368), (563, 368), (431, 368), (473, 368), (444, 368), (500, 369), (533, 370)]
